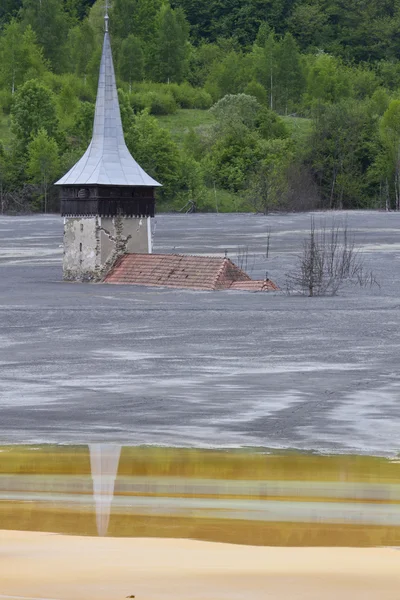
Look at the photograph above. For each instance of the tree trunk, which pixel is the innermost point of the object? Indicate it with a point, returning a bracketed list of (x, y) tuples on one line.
[(333, 188), (271, 98), (311, 265), (397, 181), (387, 196), (45, 195)]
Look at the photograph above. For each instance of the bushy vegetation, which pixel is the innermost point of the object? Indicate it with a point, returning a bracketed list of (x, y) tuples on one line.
[(270, 105)]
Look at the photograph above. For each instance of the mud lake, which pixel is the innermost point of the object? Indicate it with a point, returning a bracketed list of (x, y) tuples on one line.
[(86, 363)]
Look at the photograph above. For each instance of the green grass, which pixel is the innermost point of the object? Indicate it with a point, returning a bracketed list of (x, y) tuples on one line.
[(224, 201), (299, 127), (185, 119)]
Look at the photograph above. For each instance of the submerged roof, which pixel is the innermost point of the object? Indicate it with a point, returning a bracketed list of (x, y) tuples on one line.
[(184, 272), (107, 161)]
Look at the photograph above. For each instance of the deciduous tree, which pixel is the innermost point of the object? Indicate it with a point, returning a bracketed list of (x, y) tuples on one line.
[(131, 60), (43, 162), (171, 45), (49, 21), (155, 151), (20, 56), (82, 44), (33, 108), (134, 17)]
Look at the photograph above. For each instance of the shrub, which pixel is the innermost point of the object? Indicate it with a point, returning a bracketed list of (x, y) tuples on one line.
[(184, 94), (5, 101), (161, 103), (138, 102), (271, 126), (236, 108), (158, 103), (202, 100), (258, 91)]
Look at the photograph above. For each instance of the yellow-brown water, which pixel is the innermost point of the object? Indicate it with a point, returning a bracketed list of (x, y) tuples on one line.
[(234, 496)]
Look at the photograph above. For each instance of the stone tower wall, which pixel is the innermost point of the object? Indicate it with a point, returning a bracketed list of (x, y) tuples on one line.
[(93, 244)]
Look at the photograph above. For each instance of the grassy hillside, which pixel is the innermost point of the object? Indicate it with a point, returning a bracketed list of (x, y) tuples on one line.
[(185, 119), (179, 124), (299, 127), (182, 121)]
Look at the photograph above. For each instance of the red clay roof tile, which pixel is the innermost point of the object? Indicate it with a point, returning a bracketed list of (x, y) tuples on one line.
[(181, 271)]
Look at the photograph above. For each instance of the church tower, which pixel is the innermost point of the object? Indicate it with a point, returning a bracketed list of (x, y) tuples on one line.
[(107, 199)]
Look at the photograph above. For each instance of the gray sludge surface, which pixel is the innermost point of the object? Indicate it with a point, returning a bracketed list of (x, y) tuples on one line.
[(82, 363)]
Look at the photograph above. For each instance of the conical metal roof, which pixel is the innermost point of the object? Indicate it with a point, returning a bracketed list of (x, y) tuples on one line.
[(107, 161)]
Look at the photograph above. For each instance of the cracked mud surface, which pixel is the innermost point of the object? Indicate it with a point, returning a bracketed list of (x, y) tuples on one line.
[(82, 362)]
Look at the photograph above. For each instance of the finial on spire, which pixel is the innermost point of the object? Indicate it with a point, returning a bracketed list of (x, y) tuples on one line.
[(106, 18)]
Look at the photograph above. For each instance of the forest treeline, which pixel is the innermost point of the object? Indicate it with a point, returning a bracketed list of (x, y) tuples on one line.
[(302, 99)]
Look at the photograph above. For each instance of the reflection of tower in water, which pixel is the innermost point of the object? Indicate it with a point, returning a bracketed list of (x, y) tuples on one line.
[(104, 460)]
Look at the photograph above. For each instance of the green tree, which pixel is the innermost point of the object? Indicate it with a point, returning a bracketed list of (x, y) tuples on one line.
[(242, 19), (43, 162), (3, 177), (20, 56), (229, 75), (127, 114), (362, 30), (211, 19), (33, 108), (67, 101), (82, 44), (308, 23), (328, 80), (83, 125), (171, 46), (78, 9), (134, 17), (8, 10), (388, 72), (289, 81), (364, 82), (131, 60), (341, 153), (236, 112), (156, 152), (269, 125), (266, 67), (388, 160), (193, 145), (258, 91), (49, 21), (192, 192), (267, 186), (262, 35), (96, 21), (232, 157), (201, 61)]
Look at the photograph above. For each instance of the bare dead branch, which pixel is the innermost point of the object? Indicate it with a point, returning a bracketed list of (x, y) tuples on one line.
[(329, 259)]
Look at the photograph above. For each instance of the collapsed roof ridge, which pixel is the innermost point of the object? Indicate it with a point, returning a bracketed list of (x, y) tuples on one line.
[(183, 271)]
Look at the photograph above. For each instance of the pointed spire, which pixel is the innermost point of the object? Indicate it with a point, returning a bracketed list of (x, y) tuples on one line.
[(106, 18), (107, 161)]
